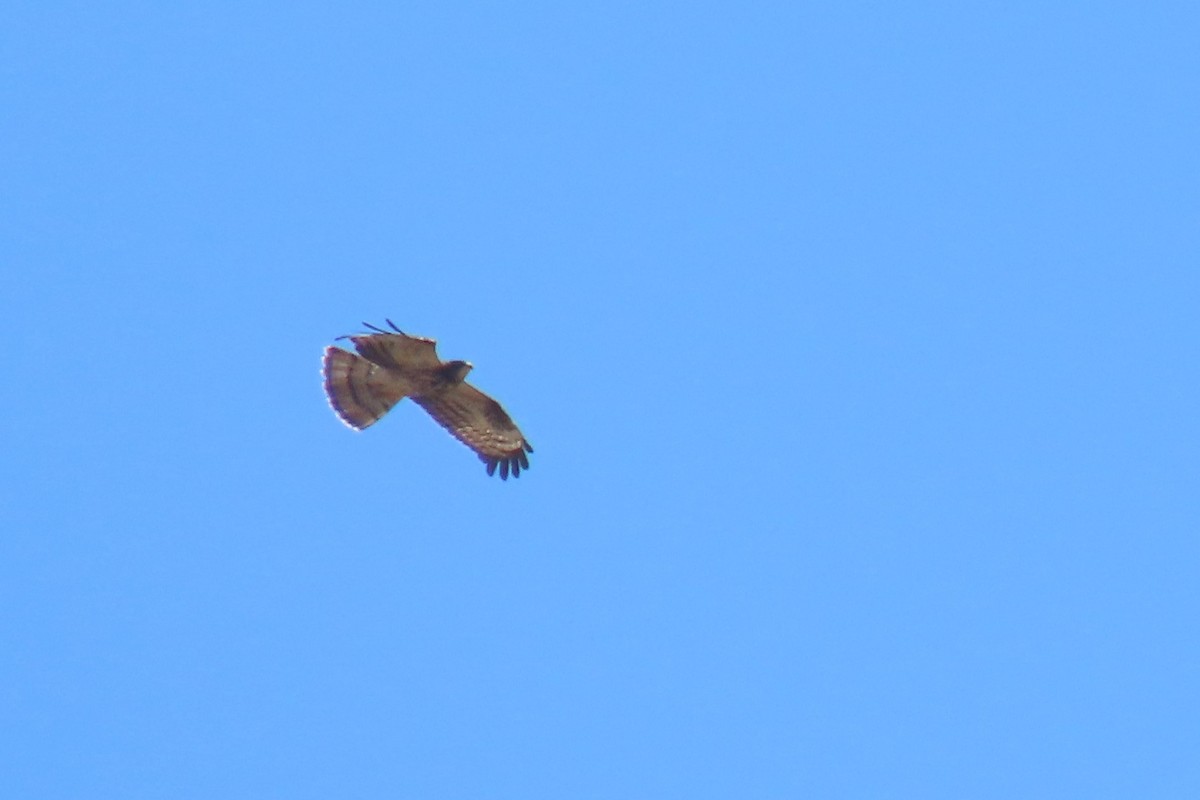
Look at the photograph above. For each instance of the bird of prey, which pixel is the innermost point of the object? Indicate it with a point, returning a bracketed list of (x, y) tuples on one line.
[(392, 365)]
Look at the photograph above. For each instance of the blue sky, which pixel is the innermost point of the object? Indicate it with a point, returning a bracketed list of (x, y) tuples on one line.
[(858, 343)]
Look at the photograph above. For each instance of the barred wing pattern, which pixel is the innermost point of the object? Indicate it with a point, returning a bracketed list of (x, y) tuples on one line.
[(481, 424)]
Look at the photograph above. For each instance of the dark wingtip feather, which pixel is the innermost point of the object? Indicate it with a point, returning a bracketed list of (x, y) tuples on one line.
[(393, 325), (509, 465)]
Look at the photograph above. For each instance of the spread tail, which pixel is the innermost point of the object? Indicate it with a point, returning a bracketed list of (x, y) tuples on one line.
[(358, 391)]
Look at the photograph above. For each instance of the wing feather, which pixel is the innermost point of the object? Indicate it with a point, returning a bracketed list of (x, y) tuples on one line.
[(481, 424), (397, 350)]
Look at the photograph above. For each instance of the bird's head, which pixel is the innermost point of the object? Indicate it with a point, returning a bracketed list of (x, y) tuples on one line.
[(456, 371)]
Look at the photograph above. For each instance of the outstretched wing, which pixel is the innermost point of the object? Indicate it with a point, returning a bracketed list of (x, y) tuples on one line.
[(481, 424), (359, 391), (396, 349)]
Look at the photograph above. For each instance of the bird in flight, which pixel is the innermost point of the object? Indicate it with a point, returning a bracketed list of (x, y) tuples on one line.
[(392, 365)]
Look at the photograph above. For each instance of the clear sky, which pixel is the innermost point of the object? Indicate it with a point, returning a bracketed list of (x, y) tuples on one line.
[(858, 343)]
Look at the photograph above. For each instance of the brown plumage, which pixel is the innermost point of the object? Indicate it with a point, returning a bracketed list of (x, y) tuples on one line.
[(392, 365)]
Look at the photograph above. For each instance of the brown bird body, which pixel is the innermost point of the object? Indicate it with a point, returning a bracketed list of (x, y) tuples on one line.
[(392, 365)]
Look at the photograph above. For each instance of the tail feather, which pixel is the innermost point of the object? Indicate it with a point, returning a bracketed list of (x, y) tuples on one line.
[(359, 392)]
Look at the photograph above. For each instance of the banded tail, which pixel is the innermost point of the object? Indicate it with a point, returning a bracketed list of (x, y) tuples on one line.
[(358, 391)]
